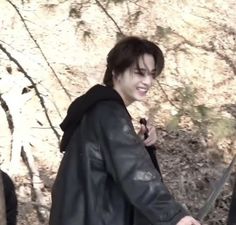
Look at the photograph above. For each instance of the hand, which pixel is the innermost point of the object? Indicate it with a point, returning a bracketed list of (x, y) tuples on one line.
[(152, 135), (188, 220)]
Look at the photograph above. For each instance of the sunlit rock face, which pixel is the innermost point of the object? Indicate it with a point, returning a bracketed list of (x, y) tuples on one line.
[(53, 51)]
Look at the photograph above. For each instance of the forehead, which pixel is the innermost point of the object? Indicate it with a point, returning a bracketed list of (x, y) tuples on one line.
[(146, 61)]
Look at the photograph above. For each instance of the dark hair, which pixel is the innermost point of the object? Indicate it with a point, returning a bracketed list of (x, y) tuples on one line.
[(127, 52)]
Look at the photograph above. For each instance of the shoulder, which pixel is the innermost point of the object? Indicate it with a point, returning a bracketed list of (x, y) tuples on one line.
[(111, 114), (109, 108)]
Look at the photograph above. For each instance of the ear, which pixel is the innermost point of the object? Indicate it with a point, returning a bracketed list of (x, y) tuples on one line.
[(115, 79)]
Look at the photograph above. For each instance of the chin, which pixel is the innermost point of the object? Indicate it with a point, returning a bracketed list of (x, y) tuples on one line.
[(140, 98)]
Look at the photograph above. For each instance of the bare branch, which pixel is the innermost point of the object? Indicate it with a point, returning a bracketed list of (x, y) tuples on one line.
[(105, 11), (35, 88), (210, 48), (37, 183), (8, 115), (36, 204), (40, 49), (167, 97)]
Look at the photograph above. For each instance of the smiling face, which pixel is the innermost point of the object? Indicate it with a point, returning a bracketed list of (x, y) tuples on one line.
[(134, 83)]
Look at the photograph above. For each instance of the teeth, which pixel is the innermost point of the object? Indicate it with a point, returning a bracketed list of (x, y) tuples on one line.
[(142, 89)]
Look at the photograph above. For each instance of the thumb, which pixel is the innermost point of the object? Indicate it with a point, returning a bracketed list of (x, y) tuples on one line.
[(142, 131)]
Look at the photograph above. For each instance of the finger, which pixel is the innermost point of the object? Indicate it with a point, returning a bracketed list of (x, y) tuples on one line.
[(152, 131), (143, 129), (198, 223), (152, 136), (142, 132), (195, 222), (149, 141)]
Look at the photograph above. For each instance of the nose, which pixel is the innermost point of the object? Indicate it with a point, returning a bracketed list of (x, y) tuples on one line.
[(148, 80)]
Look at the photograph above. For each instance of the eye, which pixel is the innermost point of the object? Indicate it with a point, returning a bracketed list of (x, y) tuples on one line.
[(138, 72), (153, 75)]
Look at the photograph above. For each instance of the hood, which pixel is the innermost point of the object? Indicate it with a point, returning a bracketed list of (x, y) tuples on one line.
[(81, 105)]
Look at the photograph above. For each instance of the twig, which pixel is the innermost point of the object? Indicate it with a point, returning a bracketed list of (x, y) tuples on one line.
[(8, 115), (35, 204), (35, 88), (40, 49), (167, 97), (105, 11), (37, 184)]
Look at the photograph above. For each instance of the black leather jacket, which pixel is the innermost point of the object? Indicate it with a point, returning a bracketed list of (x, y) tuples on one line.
[(107, 178)]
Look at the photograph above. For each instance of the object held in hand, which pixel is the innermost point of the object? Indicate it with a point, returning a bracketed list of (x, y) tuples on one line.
[(151, 149)]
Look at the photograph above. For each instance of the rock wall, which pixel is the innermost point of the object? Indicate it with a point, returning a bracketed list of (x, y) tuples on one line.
[(52, 51)]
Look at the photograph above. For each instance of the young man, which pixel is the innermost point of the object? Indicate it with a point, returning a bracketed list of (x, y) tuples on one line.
[(106, 176)]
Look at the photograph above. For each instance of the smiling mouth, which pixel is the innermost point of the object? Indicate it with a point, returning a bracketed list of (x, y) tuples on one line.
[(142, 90)]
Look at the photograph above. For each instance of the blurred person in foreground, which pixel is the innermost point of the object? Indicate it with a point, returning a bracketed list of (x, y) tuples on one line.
[(10, 199), (106, 176)]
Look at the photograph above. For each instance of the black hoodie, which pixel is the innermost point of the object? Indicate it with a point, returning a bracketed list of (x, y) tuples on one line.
[(85, 102), (81, 105)]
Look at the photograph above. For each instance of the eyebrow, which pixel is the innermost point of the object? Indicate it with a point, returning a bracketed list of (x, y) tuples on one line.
[(143, 70)]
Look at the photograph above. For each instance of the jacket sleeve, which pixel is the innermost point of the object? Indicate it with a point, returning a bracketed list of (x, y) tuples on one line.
[(130, 166)]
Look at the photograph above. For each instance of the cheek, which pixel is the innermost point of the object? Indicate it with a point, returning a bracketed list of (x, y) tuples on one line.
[(152, 82)]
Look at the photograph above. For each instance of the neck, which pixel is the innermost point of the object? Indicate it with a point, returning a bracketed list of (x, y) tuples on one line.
[(125, 100)]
